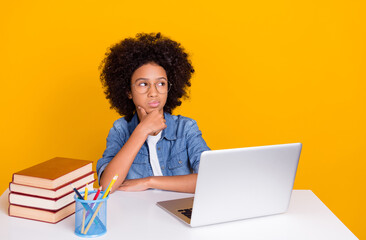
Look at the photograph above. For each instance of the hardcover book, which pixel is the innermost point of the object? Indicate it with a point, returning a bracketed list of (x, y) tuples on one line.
[(52, 193), (53, 173), (45, 203), (41, 214)]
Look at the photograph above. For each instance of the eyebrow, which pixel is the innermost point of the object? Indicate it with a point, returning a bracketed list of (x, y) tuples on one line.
[(148, 78)]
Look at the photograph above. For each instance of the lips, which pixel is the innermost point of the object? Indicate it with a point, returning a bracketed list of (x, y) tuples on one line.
[(153, 104)]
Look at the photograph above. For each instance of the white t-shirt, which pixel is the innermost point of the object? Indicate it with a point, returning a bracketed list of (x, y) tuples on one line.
[(154, 161)]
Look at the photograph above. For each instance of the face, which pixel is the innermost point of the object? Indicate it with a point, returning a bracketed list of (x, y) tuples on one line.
[(148, 75)]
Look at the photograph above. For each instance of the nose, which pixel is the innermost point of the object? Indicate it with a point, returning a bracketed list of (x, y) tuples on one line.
[(152, 92)]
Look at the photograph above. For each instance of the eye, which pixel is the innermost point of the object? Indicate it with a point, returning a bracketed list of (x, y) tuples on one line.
[(162, 84), (142, 84)]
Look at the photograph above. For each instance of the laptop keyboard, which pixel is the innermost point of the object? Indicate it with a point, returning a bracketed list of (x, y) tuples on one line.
[(186, 212)]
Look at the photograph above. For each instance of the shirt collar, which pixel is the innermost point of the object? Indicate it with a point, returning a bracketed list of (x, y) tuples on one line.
[(169, 132)]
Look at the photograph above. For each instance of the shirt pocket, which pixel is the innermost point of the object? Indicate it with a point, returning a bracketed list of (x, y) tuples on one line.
[(142, 157), (178, 163), (139, 168)]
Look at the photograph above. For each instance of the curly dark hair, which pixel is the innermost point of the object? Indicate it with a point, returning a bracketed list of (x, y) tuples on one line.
[(125, 57)]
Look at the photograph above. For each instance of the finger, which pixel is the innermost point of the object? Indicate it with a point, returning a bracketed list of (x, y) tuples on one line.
[(142, 111)]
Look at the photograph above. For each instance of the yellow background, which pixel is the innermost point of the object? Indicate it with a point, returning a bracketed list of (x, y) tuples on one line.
[(267, 72)]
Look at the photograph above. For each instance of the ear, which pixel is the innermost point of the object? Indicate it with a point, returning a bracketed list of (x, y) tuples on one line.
[(129, 95)]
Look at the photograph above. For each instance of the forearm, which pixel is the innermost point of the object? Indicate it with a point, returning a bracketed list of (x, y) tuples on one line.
[(182, 183), (122, 161)]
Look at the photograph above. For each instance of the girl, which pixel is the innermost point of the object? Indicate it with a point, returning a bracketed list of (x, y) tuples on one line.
[(144, 79)]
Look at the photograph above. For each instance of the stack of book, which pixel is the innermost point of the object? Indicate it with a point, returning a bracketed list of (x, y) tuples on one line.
[(43, 192)]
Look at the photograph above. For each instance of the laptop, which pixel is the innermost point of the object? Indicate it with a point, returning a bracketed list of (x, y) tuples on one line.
[(236, 184)]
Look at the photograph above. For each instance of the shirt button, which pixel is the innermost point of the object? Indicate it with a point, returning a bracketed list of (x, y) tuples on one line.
[(180, 162), (162, 167), (158, 149)]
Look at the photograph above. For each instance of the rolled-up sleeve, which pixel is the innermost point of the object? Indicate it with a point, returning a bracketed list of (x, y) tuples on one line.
[(115, 141), (195, 144)]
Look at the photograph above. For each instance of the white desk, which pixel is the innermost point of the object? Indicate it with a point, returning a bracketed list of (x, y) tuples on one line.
[(134, 215)]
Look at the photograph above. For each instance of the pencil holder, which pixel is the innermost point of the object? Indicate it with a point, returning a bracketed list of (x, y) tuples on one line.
[(91, 215)]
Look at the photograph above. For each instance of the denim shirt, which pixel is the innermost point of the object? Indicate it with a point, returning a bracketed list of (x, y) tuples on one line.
[(179, 148)]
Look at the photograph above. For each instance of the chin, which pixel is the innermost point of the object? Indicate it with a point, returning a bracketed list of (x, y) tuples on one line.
[(154, 109)]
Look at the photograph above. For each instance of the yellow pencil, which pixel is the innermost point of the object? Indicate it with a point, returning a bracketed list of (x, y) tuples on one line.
[(110, 186), (85, 198), (100, 204)]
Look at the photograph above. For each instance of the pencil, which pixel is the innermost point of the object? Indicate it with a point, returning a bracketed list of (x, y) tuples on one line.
[(110, 186), (87, 207), (96, 197), (97, 194), (100, 204), (76, 191), (85, 198), (92, 205)]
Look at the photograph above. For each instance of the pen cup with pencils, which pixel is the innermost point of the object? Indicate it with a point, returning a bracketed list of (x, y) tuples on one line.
[(90, 214)]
